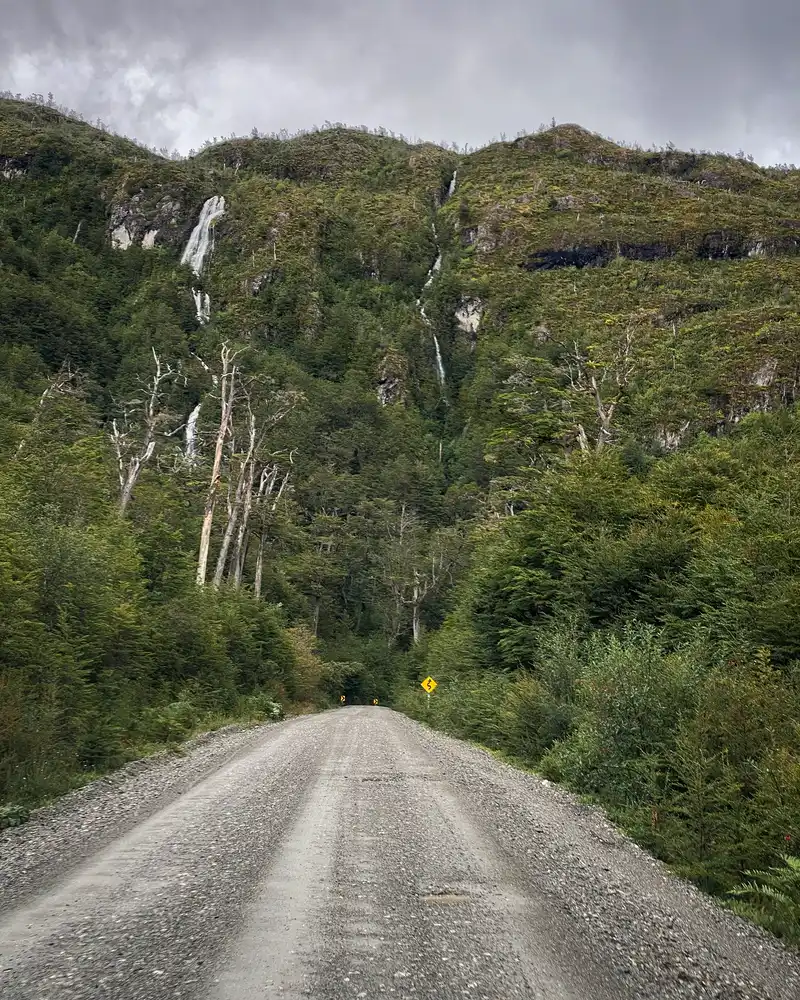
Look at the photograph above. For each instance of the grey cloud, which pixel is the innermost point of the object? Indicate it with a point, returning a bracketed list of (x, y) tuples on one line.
[(705, 73)]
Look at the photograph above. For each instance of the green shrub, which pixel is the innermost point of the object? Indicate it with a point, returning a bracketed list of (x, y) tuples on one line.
[(537, 718), (772, 898), (13, 815), (261, 707), (170, 723), (632, 697)]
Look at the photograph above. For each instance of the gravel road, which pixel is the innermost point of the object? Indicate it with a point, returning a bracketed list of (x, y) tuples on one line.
[(355, 854)]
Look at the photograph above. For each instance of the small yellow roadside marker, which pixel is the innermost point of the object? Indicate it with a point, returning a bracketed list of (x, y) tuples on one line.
[(342, 698), (374, 701), (429, 684)]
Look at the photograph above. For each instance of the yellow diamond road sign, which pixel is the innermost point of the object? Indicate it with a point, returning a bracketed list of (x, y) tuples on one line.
[(429, 684)]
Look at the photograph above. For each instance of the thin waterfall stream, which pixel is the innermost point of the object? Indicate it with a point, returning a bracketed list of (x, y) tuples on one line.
[(441, 374)]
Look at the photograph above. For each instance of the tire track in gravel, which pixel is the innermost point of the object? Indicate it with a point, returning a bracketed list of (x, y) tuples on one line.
[(144, 917), (356, 855), (424, 907), (83, 822)]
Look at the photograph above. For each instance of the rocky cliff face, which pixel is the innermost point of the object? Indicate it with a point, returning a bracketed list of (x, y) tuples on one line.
[(601, 245), (148, 219)]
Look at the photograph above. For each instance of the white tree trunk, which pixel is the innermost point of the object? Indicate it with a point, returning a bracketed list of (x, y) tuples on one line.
[(241, 535), (227, 538), (246, 473), (133, 455), (316, 616), (416, 623), (240, 560), (129, 479), (267, 485), (259, 577), (227, 392)]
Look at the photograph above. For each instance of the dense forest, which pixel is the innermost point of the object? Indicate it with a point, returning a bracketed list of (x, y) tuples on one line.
[(296, 418)]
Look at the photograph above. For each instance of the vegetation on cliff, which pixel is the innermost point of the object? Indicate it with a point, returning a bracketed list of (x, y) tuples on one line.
[(523, 418)]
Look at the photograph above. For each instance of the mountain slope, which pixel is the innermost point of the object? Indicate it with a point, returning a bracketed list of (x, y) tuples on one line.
[(522, 418)]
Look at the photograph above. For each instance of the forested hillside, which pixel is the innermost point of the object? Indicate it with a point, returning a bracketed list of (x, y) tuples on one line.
[(297, 417)]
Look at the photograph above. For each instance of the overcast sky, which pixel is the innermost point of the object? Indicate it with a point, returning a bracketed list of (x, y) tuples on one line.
[(718, 74)]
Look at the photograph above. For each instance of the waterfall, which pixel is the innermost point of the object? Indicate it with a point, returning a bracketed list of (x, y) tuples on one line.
[(452, 189), (191, 434), (439, 364), (197, 248), (437, 266), (435, 269), (202, 303), (190, 450)]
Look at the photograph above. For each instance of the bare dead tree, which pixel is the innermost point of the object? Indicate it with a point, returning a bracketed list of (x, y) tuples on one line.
[(134, 436), (416, 565), (268, 476), (236, 494), (265, 408), (65, 383), (280, 404), (429, 578), (267, 484), (604, 383), (226, 381)]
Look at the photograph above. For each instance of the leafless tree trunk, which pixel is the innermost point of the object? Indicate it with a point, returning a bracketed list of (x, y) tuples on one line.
[(241, 483), (268, 479), (134, 445), (64, 383), (129, 469), (316, 615), (239, 514), (588, 378), (416, 614), (415, 566), (227, 395), (239, 559), (244, 485), (259, 576)]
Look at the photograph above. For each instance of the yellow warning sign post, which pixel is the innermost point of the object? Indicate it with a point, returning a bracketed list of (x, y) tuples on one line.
[(342, 699), (428, 685)]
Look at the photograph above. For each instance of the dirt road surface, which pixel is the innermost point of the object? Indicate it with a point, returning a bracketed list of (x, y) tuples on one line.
[(355, 854)]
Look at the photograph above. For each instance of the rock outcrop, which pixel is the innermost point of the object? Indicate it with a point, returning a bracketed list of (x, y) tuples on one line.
[(468, 316), (392, 378), (12, 167), (142, 221)]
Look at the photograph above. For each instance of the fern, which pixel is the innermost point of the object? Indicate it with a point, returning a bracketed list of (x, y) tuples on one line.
[(772, 898)]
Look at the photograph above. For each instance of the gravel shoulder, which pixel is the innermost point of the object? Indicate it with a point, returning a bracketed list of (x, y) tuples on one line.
[(59, 836), (356, 854)]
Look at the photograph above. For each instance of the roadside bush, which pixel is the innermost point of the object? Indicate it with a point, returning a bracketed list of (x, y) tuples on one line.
[(260, 707), (772, 898), (170, 723), (632, 698), (474, 706), (537, 718), (13, 815), (309, 666), (699, 761)]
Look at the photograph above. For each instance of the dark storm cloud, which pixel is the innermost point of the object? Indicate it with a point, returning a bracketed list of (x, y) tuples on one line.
[(705, 73)]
